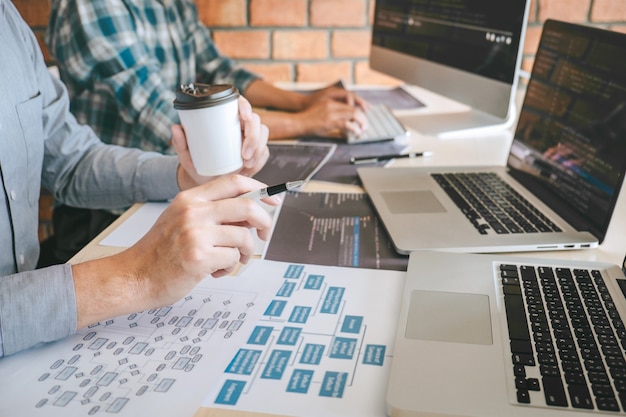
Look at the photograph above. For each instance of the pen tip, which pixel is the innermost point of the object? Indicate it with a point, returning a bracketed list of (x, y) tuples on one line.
[(295, 184)]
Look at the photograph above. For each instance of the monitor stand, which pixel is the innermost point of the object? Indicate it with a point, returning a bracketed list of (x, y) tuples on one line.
[(458, 124)]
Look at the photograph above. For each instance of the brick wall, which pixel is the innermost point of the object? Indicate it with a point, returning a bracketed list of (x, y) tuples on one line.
[(322, 40)]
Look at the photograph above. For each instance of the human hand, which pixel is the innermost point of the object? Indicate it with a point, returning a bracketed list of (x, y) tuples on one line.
[(254, 151), (204, 231), (336, 93), (332, 118), (334, 111)]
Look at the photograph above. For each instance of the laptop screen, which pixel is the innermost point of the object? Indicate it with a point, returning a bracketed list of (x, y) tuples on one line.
[(570, 141)]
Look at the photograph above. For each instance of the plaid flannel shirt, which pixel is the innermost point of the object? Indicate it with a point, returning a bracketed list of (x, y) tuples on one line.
[(122, 61)]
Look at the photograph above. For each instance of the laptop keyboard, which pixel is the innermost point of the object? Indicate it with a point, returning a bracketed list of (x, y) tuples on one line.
[(566, 337), (491, 205), (383, 125)]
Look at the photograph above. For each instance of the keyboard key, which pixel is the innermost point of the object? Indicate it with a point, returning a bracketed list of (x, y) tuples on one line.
[(554, 391)]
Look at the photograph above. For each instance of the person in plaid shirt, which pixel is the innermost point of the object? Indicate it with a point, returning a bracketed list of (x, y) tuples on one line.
[(122, 61)]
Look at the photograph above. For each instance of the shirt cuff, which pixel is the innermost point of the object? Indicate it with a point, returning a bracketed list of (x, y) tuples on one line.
[(37, 306), (157, 179)]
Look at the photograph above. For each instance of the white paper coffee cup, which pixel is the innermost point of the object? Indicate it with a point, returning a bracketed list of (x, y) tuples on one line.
[(210, 116)]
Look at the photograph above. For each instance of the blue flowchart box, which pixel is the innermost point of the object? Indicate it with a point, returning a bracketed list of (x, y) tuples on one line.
[(286, 289), (343, 348), (293, 271), (300, 314), (289, 336), (352, 324), (312, 354), (244, 362), (374, 355), (300, 381), (333, 384), (276, 364), (314, 282), (275, 308), (332, 301), (260, 335), (230, 392)]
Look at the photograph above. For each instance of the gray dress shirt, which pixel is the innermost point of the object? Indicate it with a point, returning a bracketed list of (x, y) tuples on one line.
[(42, 144)]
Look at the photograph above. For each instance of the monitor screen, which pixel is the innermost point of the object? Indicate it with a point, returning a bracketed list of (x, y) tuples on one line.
[(466, 50), (570, 134)]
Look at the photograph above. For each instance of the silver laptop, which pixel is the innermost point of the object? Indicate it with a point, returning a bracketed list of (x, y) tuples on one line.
[(495, 335), (564, 171)]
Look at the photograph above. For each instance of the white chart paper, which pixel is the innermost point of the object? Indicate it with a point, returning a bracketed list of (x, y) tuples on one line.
[(316, 339), (322, 347)]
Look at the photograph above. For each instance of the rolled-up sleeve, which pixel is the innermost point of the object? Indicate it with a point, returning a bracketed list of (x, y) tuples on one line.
[(36, 306)]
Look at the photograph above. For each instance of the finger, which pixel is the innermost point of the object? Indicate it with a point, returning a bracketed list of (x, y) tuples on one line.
[(253, 136), (258, 160), (226, 260), (235, 237), (240, 211), (354, 126), (361, 102), (360, 118), (245, 108), (223, 187), (350, 99), (179, 143)]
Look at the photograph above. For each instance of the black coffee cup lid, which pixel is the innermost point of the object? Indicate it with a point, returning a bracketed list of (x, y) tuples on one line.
[(198, 96)]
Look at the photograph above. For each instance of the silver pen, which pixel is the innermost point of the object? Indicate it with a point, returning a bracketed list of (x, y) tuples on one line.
[(273, 190)]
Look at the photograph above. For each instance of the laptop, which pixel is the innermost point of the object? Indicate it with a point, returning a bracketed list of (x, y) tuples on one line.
[(489, 335), (564, 170)]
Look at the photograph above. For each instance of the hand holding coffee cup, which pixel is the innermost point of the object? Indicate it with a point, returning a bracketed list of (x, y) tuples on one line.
[(210, 116)]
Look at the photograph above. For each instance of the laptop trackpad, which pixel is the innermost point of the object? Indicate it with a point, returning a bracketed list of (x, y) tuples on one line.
[(449, 317), (400, 202)]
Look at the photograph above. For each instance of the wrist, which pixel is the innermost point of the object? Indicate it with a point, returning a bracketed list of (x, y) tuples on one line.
[(105, 289)]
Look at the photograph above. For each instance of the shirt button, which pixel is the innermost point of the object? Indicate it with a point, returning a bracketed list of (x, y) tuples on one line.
[(13, 195)]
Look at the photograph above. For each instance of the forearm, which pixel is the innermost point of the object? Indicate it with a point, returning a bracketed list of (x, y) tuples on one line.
[(105, 288), (260, 93), (284, 125)]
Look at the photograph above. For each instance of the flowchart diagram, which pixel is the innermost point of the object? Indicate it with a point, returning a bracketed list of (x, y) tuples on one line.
[(296, 331), (322, 346)]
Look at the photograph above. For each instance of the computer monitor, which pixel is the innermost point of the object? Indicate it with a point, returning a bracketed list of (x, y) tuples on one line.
[(469, 51)]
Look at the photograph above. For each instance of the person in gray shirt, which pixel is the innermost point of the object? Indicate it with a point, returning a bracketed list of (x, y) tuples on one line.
[(204, 231)]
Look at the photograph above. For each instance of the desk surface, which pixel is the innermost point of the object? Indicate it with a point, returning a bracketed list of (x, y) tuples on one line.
[(486, 150)]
